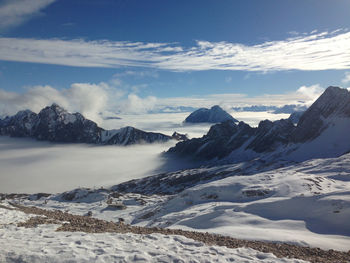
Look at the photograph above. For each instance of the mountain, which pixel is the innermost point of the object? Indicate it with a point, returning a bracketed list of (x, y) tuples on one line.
[(55, 124), (214, 115), (130, 135), (295, 116), (321, 132), (288, 109)]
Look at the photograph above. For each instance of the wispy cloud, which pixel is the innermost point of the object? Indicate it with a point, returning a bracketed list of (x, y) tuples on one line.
[(316, 51), (346, 78), (15, 12)]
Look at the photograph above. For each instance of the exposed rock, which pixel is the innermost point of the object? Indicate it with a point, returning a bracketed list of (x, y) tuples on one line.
[(214, 115), (130, 135), (179, 137), (55, 124), (227, 138), (295, 116), (19, 125), (334, 102)]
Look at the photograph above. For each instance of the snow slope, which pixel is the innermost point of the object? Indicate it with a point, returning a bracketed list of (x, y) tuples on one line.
[(300, 203), (43, 244)]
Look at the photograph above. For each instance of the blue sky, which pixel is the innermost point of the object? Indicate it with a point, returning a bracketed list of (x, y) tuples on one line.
[(174, 49)]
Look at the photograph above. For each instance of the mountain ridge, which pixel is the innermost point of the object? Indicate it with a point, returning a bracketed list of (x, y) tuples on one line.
[(242, 142), (55, 124)]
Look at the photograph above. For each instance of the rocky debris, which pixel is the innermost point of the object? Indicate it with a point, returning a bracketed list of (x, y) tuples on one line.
[(213, 115), (86, 224), (55, 124)]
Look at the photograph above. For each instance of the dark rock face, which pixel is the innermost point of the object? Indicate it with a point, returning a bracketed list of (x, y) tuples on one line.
[(179, 137), (19, 125), (57, 125), (295, 116), (130, 135), (334, 102), (224, 138), (214, 115)]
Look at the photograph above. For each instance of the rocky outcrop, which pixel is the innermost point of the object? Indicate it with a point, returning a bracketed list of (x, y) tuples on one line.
[(333, 103), (179, 137), (214, 115), (130, 135), (20, 125), (226, 137)]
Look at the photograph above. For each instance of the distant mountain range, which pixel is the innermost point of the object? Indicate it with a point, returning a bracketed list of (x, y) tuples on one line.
[(213, 115), (55, 124), (287, 109), (322, 131)]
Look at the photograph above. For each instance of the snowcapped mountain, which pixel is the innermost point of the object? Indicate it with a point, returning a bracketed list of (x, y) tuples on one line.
[(213, 115), (55, 124), (330, 114)]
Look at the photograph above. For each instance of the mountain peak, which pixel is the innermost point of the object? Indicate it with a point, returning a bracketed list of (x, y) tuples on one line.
[(213, 115), (333, 103)]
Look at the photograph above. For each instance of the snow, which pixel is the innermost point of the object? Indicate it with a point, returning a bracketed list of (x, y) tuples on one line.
[(306, 203), (330, 143), (43, 244)]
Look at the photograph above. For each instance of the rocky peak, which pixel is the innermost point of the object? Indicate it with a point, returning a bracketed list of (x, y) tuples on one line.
[(224, 129), (179, 136), (333, 103), (213, 115), (20, 124)]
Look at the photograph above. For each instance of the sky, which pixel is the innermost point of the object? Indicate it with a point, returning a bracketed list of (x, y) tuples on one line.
[(134, 56)]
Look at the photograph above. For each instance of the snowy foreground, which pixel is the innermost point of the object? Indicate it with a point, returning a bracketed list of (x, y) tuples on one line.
[(304, 203), (43, 244)]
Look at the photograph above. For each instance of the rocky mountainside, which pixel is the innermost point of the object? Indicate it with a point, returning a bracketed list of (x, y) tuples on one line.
[(213, 115), (330, 111), (55, 124)]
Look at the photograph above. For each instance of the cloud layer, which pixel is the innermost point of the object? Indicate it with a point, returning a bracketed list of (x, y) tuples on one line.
[(96, 101), (316, 51), (15, 12)]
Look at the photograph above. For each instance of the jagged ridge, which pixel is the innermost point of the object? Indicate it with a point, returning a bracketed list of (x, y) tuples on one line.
[(55, 124), (227, 138)]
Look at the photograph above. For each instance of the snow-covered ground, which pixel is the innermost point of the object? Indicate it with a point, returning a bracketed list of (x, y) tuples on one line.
[(43, 244), (306, 203)]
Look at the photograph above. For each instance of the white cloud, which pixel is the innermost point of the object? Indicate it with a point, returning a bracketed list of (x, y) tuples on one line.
[(135, 104), (346, 78), (92, 100), (316, 51), (303, 95), (89, 99), (15, 12), (311, 93)]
